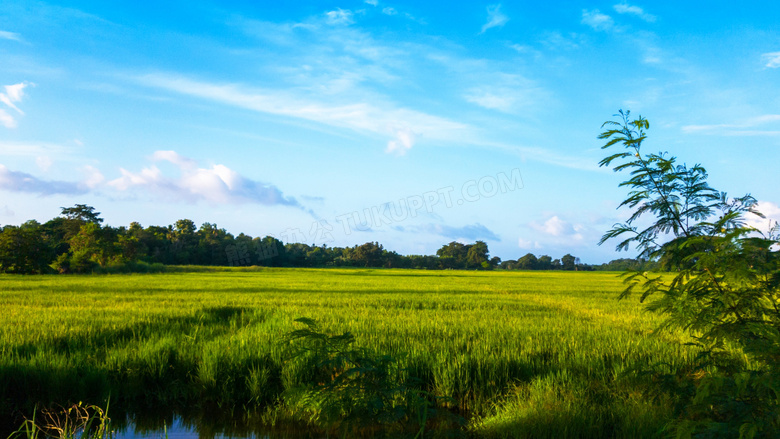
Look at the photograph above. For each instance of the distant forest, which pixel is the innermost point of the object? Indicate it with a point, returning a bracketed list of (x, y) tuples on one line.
[(77, 242)]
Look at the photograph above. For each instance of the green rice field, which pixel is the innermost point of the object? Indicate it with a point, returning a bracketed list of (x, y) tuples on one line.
[(521, 354)]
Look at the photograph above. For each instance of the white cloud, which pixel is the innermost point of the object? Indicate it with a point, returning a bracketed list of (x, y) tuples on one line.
[(652, 55), (495, 17), (94, 177), (770, 210), (745, 128), (506, 92), (625, 8), (361, 117), (175, 158), (6, 211), (16, 91), (556, 40), (34, 149), (13, 93), (489, 100), (5, 35), (7, 120), (526, 244), (558, 232), (389, 11), (402, 143), (372, 2), (771, 59), (597, 20), (339, 17), (555, 226), (520, 48), (43, 162), (217, 184), (560, 229)]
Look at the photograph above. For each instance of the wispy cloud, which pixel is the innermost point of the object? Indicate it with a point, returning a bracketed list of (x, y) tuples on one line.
[(404, 139), (43, 162), (471, 232), (5, 35), (361, 117), (340, 16), (506, 92), (557, 41), (528, 244), (34, 149), (771, 59), (217, 184), (6, 211), (625, 8), (13, 94), (6, 119), (490, 100), (748, 127), (372, 2), (495, 18), (597, 20), (389, 11), (22, 182)]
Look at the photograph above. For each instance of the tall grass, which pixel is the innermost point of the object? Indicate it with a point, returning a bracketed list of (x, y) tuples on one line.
[(521, 354)]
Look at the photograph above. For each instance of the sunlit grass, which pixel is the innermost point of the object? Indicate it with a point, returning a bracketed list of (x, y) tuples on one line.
[(518, 351)]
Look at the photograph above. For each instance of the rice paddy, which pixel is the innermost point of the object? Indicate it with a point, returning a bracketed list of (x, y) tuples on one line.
[(521, 354)]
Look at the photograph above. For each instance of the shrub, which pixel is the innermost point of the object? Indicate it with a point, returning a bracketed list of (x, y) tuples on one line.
[(725, 291)]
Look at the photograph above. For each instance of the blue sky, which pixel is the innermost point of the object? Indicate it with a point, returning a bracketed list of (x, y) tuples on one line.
[(409, 123)]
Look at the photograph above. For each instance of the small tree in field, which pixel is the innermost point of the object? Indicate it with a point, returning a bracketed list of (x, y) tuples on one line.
[(725, 290)]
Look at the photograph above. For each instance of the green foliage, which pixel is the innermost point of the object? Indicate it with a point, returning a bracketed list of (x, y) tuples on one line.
[(77, 421), (477, 255), (628, 264), (24, 249), (528, 262), (355, 389), (82, 213), (725, 291), (569, 262)]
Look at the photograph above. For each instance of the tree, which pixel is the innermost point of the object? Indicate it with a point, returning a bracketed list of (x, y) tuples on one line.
[(453, 255), (24, 250), (82, 213), (93, 246), (183, 242), (527, 262), (725, 290), (270, 252), (568, 262), (212, 242), (544, 263), (369, 254), (477, 255)]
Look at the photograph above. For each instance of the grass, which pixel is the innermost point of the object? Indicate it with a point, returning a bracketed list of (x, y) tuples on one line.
[(522, 354)]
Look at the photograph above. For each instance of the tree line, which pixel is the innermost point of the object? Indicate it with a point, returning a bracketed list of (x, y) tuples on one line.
[(78, 242)]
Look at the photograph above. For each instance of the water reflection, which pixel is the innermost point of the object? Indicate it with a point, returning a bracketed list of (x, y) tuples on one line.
[(201, 427)]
